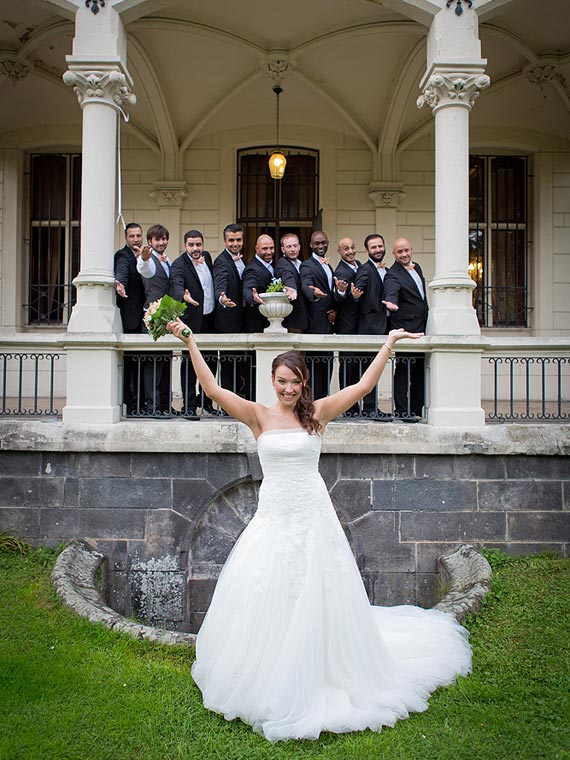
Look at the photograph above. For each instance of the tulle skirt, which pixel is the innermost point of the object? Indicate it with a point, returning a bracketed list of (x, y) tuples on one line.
[(292, 646)]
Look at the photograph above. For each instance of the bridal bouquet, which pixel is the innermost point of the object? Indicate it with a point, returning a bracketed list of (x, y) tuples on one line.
[(160, 313)]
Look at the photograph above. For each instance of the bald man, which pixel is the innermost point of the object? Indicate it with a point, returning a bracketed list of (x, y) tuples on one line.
[(405, 296), (256, 278)]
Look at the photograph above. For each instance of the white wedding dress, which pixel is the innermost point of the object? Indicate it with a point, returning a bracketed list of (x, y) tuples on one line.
[(290, 643)]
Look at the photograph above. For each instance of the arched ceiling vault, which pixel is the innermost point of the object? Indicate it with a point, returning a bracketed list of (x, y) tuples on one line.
[(197, 72)]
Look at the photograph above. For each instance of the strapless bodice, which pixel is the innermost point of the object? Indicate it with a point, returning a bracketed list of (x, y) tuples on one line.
[(289, 453)]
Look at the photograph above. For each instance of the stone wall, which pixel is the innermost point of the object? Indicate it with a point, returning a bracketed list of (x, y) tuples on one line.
[(168, 521)]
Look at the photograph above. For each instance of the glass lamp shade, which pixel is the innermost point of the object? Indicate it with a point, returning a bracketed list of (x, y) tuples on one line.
[(277, 164)]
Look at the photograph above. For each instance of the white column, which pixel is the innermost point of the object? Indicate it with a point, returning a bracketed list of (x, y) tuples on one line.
[(451, 93), (93, 383), (455, 375), (101, 90)]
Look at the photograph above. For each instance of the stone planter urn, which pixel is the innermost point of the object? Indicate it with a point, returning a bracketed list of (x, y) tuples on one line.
[(275, 307)]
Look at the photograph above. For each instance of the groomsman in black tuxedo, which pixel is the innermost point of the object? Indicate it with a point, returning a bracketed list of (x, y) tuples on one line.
[(130, 300), (191, 281), (373, 319), (288, 269), (153, 265), (130, 288), (347, 315), (256, 279), (235, 367), (228, 272), (317, 285), (405, 297)]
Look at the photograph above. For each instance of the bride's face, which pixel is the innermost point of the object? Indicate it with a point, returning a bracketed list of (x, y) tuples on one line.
[(288, 386)]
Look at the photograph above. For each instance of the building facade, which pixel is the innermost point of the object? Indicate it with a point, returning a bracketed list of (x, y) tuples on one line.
[(443, 121)]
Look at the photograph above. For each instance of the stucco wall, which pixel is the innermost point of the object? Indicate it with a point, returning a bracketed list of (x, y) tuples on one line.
[(561, 240), (1, 229), (416, 211)]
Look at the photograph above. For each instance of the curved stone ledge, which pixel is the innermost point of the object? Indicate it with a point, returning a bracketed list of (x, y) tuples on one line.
[(466, 574), (73, 577)]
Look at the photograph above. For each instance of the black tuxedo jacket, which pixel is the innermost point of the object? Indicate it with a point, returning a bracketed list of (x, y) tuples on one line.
[(131, 308), (256, 275), (400, 288), (312, 273), (183, 276), (291, 277), (373, 318), (348, 310), (228, 281)]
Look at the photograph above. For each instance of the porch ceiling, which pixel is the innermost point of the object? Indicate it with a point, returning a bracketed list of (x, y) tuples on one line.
[(357, 67)]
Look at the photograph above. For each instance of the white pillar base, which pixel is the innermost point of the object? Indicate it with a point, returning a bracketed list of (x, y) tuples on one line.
[(95, 310), (264, 393), (455, 388), (92, 384), (451, 310)]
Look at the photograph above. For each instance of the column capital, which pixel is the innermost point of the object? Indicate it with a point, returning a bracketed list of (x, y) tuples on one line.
[(169, 194), (386, 194), (445, 85), (97, 82)]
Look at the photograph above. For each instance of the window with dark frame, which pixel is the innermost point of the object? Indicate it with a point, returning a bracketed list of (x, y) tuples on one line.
[(55, 217), (498, 239), (274, 207)]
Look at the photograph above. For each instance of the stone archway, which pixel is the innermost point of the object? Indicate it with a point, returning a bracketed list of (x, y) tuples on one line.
[(222, 521)]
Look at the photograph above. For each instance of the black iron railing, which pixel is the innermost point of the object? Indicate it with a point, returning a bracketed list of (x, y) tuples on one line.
[(529, 389), (163, 385), (29, 384), (522, 381)]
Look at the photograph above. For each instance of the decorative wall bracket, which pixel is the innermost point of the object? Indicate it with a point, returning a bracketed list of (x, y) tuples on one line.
[(169, 194), (459, 6), (277, 66), (445, 88), (94, 4), (547, 69), (103, 85), (386, 195), (13, 69)]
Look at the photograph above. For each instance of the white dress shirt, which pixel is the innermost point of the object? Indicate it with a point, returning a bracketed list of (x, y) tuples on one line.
[(326, 268), (148, 268), (205, 277), (418, 280), (269, 267)]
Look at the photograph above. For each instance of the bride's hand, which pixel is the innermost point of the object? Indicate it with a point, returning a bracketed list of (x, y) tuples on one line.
[(176, 327), (401, 333)]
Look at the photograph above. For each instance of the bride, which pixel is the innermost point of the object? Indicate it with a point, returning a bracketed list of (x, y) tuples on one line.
[(290, 643)]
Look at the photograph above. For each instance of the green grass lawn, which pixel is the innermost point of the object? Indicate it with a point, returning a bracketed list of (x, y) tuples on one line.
[(70, 690)]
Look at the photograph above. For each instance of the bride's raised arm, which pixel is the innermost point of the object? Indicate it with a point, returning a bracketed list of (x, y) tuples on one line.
[(236, 406), (326, 409)]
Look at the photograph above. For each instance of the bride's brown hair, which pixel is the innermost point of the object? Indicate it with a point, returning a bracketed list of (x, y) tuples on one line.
[(304, 408)]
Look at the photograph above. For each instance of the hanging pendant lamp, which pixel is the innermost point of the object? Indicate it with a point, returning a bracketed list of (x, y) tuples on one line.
[(277, 161)]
